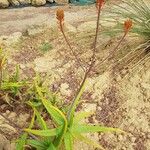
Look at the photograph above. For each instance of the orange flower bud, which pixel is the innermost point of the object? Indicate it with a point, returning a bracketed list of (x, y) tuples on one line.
[(127, 25), (99, 4), (60, 15)]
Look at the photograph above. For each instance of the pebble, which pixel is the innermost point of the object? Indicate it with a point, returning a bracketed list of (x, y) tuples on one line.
[(7, 111), (120, 137), (12, 115), (22, 66), (148, 135), (133, 139)]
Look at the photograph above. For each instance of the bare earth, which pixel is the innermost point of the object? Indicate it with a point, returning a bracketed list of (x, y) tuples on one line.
[(19, 19)]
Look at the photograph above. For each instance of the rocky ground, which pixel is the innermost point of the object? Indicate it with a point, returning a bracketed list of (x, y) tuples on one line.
[(125, 104), (22, 3)]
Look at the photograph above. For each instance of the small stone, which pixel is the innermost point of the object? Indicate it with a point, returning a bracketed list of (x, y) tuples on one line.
[(148, 135), (22, 119), (4, 3), (61, 1), (133, 139), (120, 137), (51, 1), (3, 106), (12, 115), (14, 2), (22, 66), (99, 108), (33, 30), (89, 107), (64, 89), (7, 111), (123, 148), (38, 2), (24, 2)]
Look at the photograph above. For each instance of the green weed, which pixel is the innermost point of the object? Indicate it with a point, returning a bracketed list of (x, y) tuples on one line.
[(45, 47)]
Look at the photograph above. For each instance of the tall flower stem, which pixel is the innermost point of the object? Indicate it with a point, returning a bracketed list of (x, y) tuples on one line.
[(74, 102)]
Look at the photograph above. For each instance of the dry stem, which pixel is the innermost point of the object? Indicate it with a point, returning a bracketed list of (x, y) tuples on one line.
[(72, 107), (70, 47)]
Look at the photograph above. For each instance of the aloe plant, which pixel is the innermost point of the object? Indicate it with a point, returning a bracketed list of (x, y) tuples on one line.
[(67, 125), (64, 132)]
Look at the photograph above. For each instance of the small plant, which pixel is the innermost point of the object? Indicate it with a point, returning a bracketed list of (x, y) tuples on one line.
[(66, 125), (12, 87), (45, 46)]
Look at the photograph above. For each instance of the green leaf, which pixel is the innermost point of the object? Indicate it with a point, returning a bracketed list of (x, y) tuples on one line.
[(92, 128), (82, 115), (39, 145), (21, 142), (56, 114), (7, 85), (32, 121), (45, 133), (51, 147), (74, 104), (41, 121), (16, 76), (68, 140), (88, 141)]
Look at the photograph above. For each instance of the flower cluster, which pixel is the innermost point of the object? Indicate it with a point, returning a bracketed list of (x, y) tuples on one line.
[(99, 4), (60, 15), (127, 25)]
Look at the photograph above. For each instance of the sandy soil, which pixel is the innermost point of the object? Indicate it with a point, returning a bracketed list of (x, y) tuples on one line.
[(19, 19), (124, 104)]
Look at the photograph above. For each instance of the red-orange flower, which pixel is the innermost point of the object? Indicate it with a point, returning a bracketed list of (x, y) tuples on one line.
[(60, 15), (127, 25), (99, 4)]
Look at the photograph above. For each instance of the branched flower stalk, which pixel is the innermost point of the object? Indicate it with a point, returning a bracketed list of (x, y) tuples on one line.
[(60, 17), (99, 4)]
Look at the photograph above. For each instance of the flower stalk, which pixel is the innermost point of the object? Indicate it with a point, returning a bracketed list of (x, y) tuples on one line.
[(60, 18), (72, 108)]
